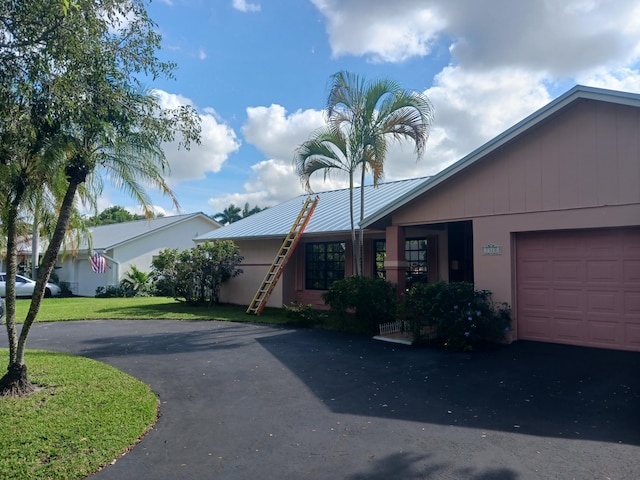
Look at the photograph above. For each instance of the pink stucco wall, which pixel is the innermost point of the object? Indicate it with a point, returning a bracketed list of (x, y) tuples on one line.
[(580, 169)]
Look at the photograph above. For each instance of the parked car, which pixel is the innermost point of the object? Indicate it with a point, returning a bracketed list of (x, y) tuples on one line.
[(25, 287)]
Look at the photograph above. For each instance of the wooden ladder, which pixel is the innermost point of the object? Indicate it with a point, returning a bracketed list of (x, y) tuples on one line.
[(288, 246)]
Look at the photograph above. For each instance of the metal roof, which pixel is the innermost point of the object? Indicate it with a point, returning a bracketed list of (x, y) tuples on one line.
[(112, 235), (579, 92), (331, 214)]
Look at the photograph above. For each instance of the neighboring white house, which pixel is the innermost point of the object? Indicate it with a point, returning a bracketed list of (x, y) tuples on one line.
[(125, 244)]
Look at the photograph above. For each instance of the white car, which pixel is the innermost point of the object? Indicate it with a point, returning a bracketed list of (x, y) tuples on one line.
[(25, 287)]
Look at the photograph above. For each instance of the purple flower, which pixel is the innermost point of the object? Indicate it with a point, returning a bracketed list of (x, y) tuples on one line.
[(470, 319), (466, 334)]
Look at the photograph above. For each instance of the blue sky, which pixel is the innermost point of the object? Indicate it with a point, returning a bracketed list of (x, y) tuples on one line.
[(257, 72)]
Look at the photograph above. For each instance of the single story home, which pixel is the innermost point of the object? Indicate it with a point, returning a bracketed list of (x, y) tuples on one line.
[(546, 216), (122, 245)]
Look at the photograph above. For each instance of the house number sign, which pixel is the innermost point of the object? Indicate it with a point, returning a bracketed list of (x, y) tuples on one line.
[(491, 249)]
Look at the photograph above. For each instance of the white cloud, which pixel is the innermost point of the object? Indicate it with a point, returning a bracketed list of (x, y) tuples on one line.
[(244, 6), (507, 59), (543, 36), (381, 30), (217, 142), (277, 134)]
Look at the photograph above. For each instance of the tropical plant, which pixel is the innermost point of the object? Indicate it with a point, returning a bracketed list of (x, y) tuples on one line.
[(247, 210), (328, 151), (72, 115), (371, 114), (228, 215), (136, 281)]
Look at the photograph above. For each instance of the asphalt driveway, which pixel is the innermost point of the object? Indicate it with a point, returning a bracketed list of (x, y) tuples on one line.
[(243, 401)]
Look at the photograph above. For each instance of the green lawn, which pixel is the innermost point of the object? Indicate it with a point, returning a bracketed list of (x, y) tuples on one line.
[(88, 413), (85, 415), (142, 308)]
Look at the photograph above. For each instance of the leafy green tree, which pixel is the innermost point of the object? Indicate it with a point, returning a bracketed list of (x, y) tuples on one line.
[(115, 214), (196, 275), (73, 115), (228, 215), (368, 115)]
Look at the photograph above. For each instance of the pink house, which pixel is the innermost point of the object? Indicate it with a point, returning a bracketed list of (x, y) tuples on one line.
[(546, 216)]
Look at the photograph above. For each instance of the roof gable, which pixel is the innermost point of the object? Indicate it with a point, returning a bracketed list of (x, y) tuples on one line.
[(116, 234), (577, 93)]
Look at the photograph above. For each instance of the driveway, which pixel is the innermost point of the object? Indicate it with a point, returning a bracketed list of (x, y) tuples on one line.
[(244, 401)]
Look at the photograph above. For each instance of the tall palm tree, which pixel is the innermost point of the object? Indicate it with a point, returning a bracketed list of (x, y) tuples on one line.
[(373, 113), (228, 215), (328, 151)]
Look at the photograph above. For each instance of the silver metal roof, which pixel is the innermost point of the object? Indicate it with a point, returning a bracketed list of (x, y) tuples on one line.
[(331, 214)]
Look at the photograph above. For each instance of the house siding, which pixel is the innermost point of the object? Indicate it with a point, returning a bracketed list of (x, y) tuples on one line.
[(579, 169)]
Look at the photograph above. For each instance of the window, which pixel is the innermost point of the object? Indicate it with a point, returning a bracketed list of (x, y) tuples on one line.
[(324, 263), (415, 254), (380, 252)]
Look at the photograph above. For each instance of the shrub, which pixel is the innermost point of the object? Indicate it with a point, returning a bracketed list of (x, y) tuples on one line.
[(113, 291), (197, 274), (303, 315), (461, 316), (362, 303)]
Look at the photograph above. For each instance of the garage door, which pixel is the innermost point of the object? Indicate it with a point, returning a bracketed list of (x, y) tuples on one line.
[(579, 287)]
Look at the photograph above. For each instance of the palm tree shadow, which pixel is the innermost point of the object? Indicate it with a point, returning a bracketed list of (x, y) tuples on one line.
[(410, 466)]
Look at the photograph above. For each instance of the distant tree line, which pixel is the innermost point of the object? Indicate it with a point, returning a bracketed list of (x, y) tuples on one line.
[(115, 214), (233, 213)]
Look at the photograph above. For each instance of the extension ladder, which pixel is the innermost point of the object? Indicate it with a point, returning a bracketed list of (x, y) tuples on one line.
[(275, 270)]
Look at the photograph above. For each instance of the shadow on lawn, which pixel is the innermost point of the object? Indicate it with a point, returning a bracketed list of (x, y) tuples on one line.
[(528, 387)]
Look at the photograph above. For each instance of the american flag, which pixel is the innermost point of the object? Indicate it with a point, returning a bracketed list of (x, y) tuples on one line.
[(98, 263)]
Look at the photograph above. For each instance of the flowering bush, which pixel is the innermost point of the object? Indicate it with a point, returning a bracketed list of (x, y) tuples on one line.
[(461, 316)]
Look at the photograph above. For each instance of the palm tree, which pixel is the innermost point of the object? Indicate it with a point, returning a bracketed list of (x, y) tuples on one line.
[(328, 151), (247, 210), (228, 215), (371, 114)]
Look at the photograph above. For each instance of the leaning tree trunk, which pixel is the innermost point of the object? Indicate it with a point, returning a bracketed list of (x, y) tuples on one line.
[(16, 382)]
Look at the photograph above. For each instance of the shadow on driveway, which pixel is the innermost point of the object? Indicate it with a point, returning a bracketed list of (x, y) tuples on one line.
[(529, 388)]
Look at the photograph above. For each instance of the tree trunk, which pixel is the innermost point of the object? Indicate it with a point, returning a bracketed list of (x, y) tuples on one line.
[(48, 262), (354, 245), (15, 382), (361, 230)]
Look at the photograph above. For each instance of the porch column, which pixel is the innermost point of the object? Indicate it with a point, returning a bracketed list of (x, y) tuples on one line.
[(395, 263)]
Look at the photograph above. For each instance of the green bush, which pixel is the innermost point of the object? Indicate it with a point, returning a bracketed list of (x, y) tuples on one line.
[(362, 303), (196, 274), (303, 315), (460, 316)]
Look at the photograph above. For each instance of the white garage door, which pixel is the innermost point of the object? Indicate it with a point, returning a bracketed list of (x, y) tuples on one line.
[(579, 287)]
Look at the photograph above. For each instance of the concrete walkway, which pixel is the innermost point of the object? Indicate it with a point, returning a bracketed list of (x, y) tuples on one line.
[(243, 401)]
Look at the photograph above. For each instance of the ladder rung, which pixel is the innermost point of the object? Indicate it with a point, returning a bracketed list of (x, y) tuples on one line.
[(274, 272)]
